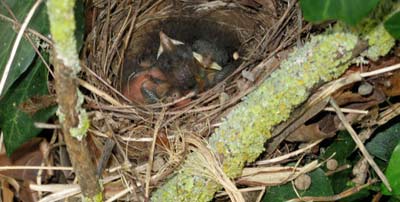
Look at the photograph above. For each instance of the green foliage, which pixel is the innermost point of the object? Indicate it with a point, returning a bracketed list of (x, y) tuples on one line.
[(320, 186), (342, 147), (80, 23), (392, 25), (382, 145), (17, 125), (25, 53), (28, 75), (393, 173), (347, 11)]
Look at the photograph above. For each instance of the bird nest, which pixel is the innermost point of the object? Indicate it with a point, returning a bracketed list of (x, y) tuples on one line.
[(123, 34)]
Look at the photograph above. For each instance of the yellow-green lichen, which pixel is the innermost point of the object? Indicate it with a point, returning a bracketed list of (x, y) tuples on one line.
[(380, 41), (373, 31), (62, 21), (241, 135), (249, 123), (79, 132), (97, 198)]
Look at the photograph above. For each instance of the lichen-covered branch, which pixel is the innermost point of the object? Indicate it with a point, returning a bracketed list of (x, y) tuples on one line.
[(242, 134), (73, 117)]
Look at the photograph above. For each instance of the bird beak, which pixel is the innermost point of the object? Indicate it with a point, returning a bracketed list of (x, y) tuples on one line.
[(200, 59), (167, 44)]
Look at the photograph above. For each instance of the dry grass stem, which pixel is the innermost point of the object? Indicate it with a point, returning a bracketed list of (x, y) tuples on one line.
[(287, 156), (359, 144)]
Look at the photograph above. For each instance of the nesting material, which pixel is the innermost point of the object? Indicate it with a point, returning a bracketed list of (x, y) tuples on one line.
[(124, 44)]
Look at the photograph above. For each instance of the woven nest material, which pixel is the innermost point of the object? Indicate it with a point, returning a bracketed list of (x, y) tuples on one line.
[(124, 32)]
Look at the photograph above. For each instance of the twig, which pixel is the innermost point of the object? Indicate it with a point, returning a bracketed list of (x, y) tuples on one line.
[(34, 168), (336, 197), (359, 144), (248, 189), (381, 71), (286, 156), (151, 155), (120, 194), (99, 92), (347, 110)]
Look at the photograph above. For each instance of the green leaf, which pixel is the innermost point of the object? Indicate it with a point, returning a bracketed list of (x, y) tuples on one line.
[(18, 126), (392, 25), (320, 186), (393, 173), (382, 145), (25, 53), (80, 23), (348, 11), (343, 146)]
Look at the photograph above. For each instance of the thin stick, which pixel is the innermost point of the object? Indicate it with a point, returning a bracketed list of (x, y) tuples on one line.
[(344, 194), (286, 156), (120, 194), (359, 144), (99, 92), (347, 110), (381, 71), (16, 44), (151, 155), (34, 168), (248, 189)]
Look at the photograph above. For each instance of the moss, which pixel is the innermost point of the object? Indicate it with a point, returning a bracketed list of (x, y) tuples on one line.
[(62, 20)]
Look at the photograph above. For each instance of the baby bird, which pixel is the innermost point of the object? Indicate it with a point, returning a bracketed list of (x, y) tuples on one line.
[(177, 63), (187, 69), (147, 86), (209, 54), (179, 68)]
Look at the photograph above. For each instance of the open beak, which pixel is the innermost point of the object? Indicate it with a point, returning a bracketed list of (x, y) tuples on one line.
[(167, 44), (200, 59)]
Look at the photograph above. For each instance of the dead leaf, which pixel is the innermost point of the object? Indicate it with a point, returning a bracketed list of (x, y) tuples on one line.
[(37, 103), (29, 154)]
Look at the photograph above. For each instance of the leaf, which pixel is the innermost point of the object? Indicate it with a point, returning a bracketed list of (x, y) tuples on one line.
[(382, 145), (350, 12), (25, 53), (80, 23), (320, 186), (393, 173), (342, 146), (392, 25), (18, 126)]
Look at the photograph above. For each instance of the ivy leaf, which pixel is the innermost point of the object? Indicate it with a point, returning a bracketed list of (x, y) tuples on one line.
[(382, 145), (393, 173), (25, 53), (392, 25), (342, 147), (350, 12), (17, 125)]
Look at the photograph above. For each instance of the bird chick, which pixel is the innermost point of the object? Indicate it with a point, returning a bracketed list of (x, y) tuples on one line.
[(176, 61), (210, 54), (148, 86), (195, 67)]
